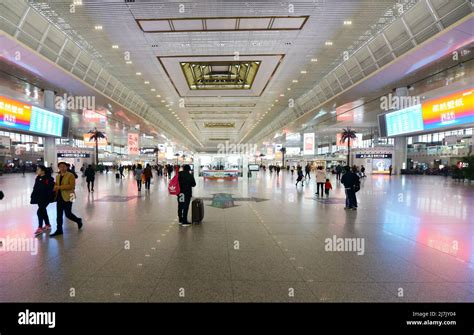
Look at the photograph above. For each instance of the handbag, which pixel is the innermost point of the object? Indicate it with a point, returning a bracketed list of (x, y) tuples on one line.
[(173, 186), (356, 187)]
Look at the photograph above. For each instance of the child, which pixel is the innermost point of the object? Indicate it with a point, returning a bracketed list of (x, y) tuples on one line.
[(327, 187)]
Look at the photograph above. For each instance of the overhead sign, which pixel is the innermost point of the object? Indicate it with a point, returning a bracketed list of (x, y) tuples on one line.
[(133, 144), (373, 155), (73, 155), (147, 151), (293, 137), (293, 151), (308, 146)]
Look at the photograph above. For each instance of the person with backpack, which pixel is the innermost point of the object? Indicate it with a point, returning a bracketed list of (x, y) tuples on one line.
[(90, 177), (186, 184), (351, 182), (138, 176), (299, 172), (42, 196)]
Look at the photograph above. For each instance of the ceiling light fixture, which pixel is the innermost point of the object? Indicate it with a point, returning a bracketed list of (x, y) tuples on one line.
[(153, 90), (128, 62), (115, 46), (147, 82), (98, 27), (138, 73), (347, 22), (328, 43), (294, 80), (303, 71), (314, 60)]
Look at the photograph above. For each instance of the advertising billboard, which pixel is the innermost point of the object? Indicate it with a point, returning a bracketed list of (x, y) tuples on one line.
[(308, 145), (133, 144), (14, 114)]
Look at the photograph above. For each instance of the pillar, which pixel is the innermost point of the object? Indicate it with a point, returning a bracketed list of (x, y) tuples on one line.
[(49, 142), (399, 158)]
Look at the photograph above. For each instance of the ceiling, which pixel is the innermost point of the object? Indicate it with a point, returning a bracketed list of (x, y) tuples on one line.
[(281, 49)]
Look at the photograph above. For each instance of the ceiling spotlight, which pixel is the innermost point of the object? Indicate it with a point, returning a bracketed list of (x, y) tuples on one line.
[(115, 46), (347, 22), (289, 89), (147, 82), (303, 71), (158, 96), (294, 80), (138, 73), (163, 101), (98, 27), (282, 95), (314, 60), (328, 43), (128, 62), (276, 100), (153, 90)]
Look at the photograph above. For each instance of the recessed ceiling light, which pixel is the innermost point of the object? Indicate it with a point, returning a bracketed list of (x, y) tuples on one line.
[(347, 22), (276, 100), (303, 71), (169, 109), (294, 80), (273, 105), (138, 73), (163, 101), (282, 95), (147, 82), (98, 27), (328, 43), (158, 96), (129, 62), (314, 60), (115, 46), (269, 108), (289, 89), (153, 90)]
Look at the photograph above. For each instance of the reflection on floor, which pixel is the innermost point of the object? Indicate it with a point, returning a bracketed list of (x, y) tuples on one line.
[(416, 233)]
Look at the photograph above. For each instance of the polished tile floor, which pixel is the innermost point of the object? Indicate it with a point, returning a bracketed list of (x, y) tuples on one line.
[(418, 235)]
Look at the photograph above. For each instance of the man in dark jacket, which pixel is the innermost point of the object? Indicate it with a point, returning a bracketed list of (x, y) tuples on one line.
[(90, 177), (186, 184), (350, 181)]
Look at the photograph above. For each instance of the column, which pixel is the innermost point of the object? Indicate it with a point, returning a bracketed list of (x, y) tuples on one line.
[(399, 158), (49, 142)]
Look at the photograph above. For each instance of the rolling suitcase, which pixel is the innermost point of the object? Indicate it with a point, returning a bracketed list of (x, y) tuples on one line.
[(197, 211)]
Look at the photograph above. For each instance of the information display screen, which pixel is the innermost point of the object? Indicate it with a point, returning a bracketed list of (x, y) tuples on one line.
[(46, 122), (404, 121)]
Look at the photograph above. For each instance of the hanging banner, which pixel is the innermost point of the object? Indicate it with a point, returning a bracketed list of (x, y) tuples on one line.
[(133, 148), (308, 148)]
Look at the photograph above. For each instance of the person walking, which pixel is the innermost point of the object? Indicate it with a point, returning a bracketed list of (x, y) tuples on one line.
[(299, 173), (307, 170), (186, 184), (277, 168), (320, 180), (327, 187), (90, 177), (138, 176), (121, 171), (338, 172), (42, 196), (390, 170), (64, 188), (148, 175), (351, 183), (23, 169), (362, 171)]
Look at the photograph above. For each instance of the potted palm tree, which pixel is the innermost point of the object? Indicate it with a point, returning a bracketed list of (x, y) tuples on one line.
[(283, 151), (96, 135), (348, 135)]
